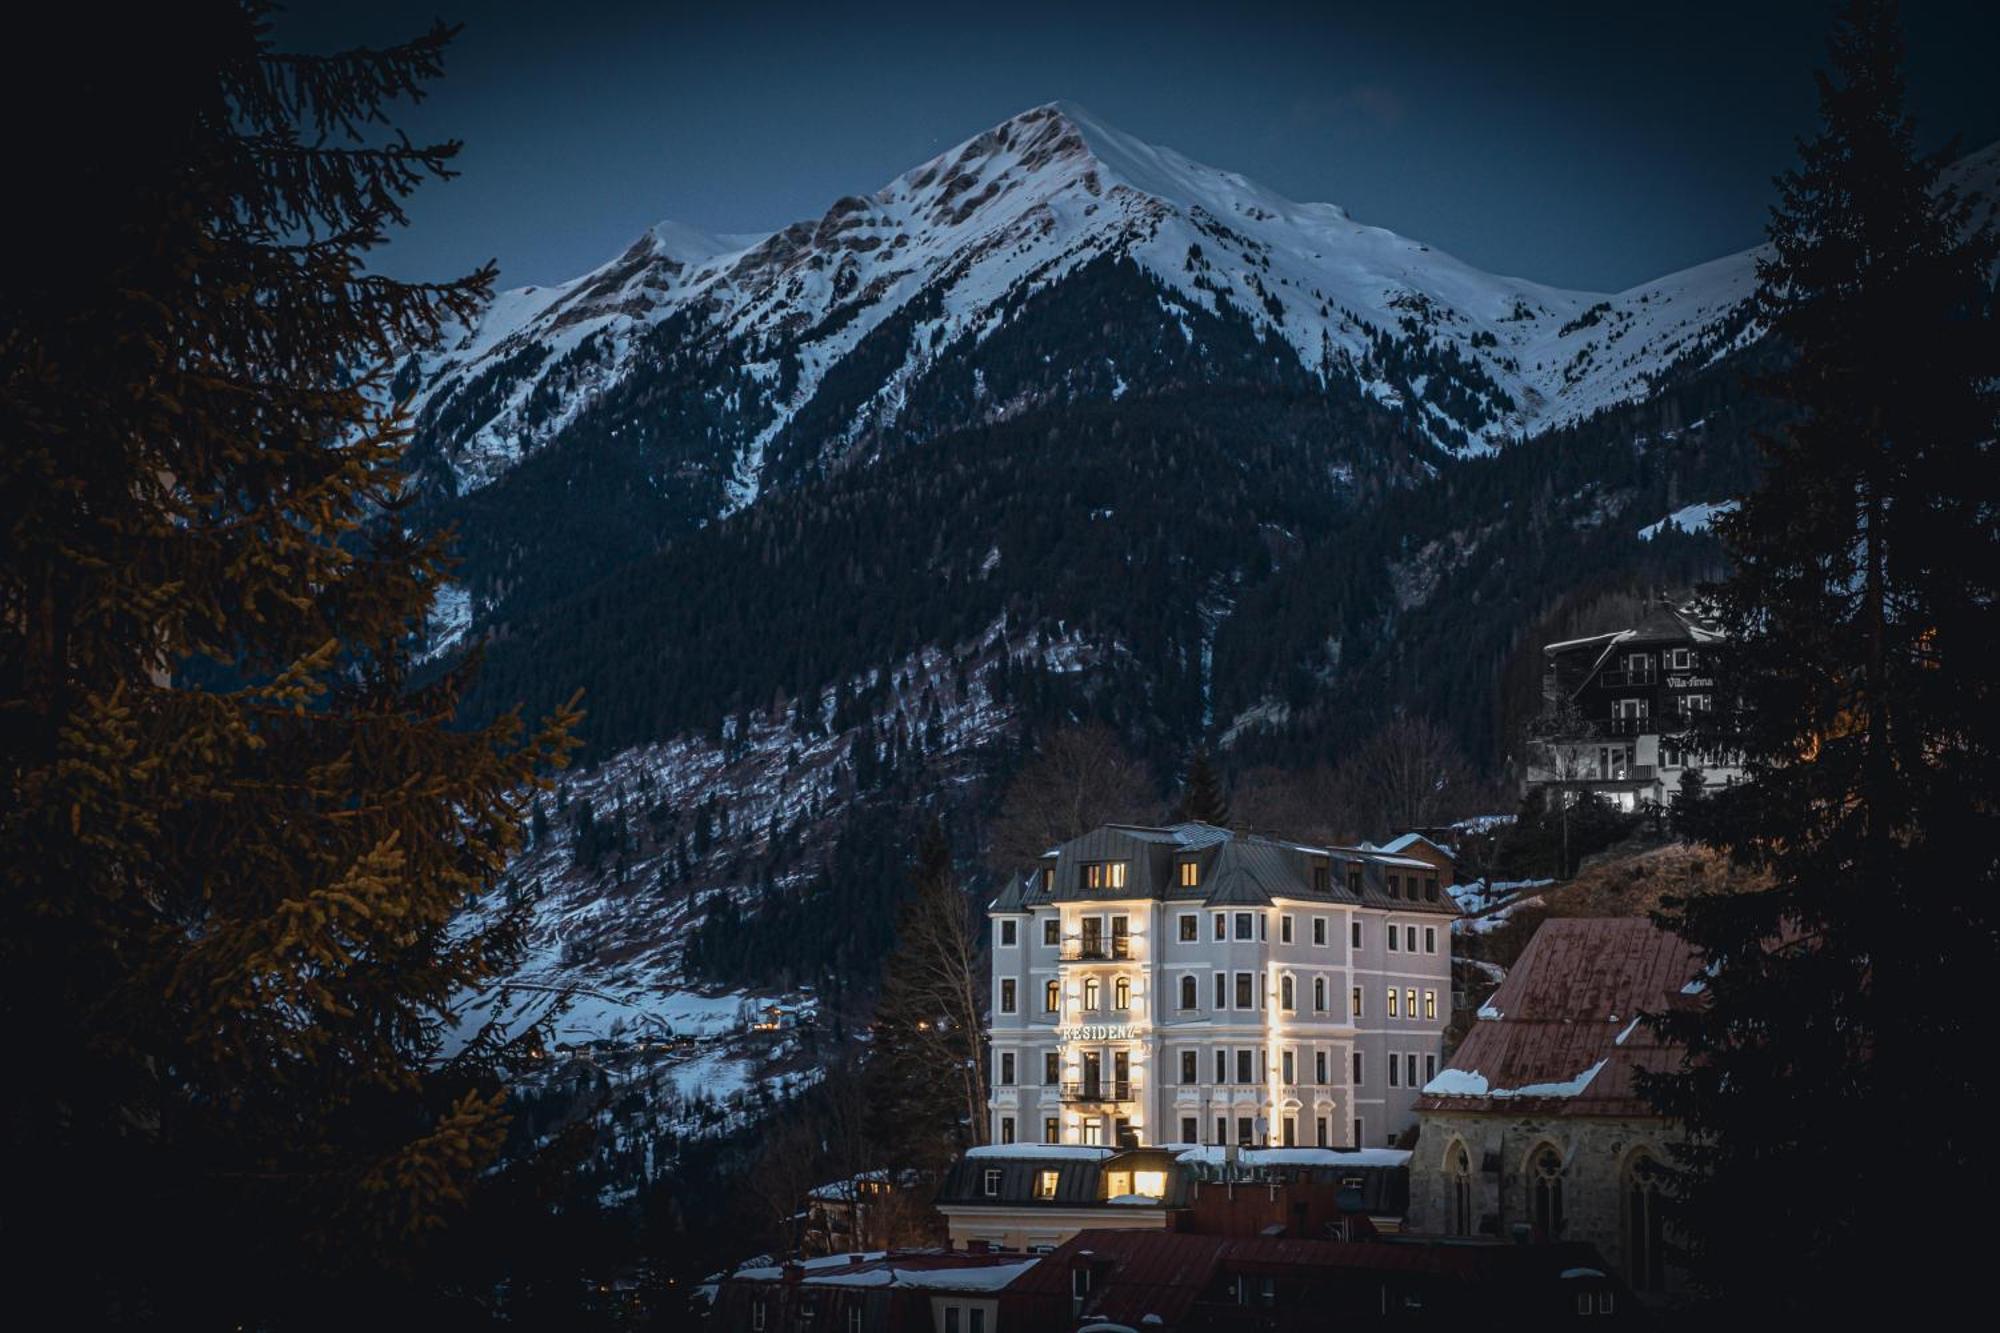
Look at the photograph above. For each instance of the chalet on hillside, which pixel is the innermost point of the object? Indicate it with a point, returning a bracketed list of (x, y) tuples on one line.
[(1636, 693)]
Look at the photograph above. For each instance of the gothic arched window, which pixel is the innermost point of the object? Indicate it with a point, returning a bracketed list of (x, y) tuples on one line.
[(1461, 1190), (1545, 1191), (1121, 993), (1644, 1217), (1187, 993)]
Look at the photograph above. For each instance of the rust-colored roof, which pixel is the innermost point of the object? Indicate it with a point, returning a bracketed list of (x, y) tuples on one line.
[(1561, 1035)]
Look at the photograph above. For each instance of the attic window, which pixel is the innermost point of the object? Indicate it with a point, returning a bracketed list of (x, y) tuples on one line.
[(1104, 875), (1190, 875), (1045, 1184), (1354, 880), (1152, 1184), (991, 1184)]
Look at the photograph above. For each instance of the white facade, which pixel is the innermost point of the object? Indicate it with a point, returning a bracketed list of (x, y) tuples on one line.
[(1192, 1019)]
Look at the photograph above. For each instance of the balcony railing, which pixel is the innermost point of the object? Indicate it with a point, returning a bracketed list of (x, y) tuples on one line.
[(1096, 951), (1098, 1090), (1621, 679)]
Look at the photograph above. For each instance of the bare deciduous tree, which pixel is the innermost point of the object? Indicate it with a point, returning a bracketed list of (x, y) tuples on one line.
[(1081, 778)]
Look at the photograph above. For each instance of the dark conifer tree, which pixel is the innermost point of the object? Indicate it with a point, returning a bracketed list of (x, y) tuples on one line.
[(1202, 796), (236, 842), (1847, 1007)]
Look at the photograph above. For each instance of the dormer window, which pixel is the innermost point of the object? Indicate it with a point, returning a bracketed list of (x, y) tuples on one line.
[(1354, 880), (1099, 876), (1190, 874), (1322, 877), (1045, 1184), (991, 1183)]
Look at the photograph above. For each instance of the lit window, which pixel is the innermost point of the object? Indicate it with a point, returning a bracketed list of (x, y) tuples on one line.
[(1121, 993), (1052, 997), (1093, 993), (1394, 1012), (1045, 1184), (1152, 1184), (1354, 1002), (1410, 1002), (1430, 1004), (1190, 875)]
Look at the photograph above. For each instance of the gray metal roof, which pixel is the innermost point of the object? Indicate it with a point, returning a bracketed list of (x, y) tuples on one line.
[(1236, 870)]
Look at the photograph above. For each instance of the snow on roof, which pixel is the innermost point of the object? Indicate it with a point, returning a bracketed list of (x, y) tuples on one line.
[(926, 1271), (1018, 1152), (1213, 1155), (1693, 518), (1472, 1083), (1409, 840)]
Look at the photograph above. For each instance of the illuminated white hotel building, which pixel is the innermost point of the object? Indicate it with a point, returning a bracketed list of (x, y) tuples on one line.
[(1193, 985)]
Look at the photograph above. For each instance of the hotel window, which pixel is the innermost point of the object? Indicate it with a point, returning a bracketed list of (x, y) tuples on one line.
[(1245, 1070), (1006, 1069), (1051, 996), (1222, 1066), (1319, 931), (1291, 1139), (1221, 990), (1221, 928), (1354, 932), (1319, 1130), (1190, 1130), (1357, 1081), (1093, 994), (1319, 1069), (1395, 886), (1243, 1135), (1285, 929), (1189, 999), (1243, 995), (1263, 926), (1190, 928), (1430, 1067), (1190, 875), (1322, 877), (1354, 880), (1410, 939), (1009, 936), (1006, 1129), (1430, 1004), (1410, 1064), (1395, 1071), (1243, 926), (1051, 1067), (1430, 888), (1045, 1184), (1221, 1130), (1104, 875), (1392, 938), (1121, 993), (1286, 997), (1430, 939), (1354, 1002), (1358, 1123), (1189, 1072), (1152, 1184), (1410, 1002), (1289, 1064), (1051, 1130), (1121, 937), (1319, 995), (1394, 1012), (1007, 995), (1682, 659), (990, 1183), (1051, 932)]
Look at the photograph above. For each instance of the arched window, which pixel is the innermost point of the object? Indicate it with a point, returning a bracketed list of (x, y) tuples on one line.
[(1545, 1191), (1052, 996), (1458, 1166), (1645, 1239), (1187, 992), (1092, 994), (1121, 993), (1286, 997)]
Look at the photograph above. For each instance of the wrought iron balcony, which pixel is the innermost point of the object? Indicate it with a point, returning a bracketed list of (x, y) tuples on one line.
[(1098, 1091), (1096, 951)]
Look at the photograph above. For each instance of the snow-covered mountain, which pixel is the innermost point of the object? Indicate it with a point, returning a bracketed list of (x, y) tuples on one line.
[(810, 338)]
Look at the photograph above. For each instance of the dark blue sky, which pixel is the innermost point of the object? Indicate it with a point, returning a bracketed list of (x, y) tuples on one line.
[(1566, 143)]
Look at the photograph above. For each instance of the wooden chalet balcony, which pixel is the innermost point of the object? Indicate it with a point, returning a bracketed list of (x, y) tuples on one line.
[(1099, 1092)]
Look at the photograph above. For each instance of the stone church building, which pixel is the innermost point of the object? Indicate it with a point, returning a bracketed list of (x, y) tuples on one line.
[(1535, 1130)]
